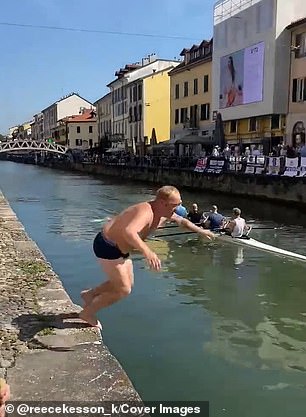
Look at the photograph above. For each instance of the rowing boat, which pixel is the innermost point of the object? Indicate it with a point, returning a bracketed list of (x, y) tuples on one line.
[(253, 243), (250, 242)]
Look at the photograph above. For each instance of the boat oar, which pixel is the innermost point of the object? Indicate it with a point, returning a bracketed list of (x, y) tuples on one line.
[(217, 231)]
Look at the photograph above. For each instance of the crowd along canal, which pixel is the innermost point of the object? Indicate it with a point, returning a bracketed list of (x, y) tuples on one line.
[(219, 323)]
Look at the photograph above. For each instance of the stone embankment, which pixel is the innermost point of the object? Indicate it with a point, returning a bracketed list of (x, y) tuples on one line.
[(283, 190), (46, 352)]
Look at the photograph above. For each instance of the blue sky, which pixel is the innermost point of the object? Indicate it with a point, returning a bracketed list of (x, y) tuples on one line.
[(38, 66)]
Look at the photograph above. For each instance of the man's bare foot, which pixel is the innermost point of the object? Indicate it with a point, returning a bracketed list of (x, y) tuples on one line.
[(87, 298), (90, 320)]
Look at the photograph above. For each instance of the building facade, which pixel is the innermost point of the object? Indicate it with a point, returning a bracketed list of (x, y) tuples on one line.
[(251, 65), (37, 127), (13, 132), (149, 109), (78, 131), (119, 107), (191, 91), (124, 98), (25, 131), (104, 120), (66, 106), (296, 120)]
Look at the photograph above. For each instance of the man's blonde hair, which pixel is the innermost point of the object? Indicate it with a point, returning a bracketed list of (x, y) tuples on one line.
[(166, 192)]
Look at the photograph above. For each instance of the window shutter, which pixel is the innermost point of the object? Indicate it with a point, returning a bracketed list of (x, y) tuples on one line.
[(294, 90)]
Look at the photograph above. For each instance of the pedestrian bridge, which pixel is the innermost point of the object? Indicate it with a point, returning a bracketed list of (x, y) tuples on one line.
[(32, 145)]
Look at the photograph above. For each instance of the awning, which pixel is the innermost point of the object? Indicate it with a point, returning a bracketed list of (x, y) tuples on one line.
[(114, 150), (165, 144), (196, 140)]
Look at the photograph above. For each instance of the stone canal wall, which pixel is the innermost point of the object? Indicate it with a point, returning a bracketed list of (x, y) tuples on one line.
[(274, 188), (46, 352)]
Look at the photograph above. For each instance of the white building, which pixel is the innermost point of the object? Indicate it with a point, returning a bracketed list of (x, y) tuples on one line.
[(251, 56), (13, 131), (66, 106), (37, 127)]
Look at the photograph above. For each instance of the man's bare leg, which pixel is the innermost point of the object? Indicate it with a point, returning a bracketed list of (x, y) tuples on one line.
[(89, 294), (119, 285)]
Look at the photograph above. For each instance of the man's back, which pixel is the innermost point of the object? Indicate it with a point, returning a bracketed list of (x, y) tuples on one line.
[(215, 220), (239, 227), (194, 217)]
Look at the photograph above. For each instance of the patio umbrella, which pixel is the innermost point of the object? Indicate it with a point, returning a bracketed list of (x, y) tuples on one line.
[(153, 137)]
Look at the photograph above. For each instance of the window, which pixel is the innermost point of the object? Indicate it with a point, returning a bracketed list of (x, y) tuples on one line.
[(275, 121), (233, 126), (177, 116), (252, 124), (78, 129), (299, 90), (78, 142), (184, 114), (186, 89), (205, 89), (300, 42), (139, 112), (90, 129), (135, 93), (177, 91), (135, 114), (139, 92), (205, 111), (195, 86), (194, 116)]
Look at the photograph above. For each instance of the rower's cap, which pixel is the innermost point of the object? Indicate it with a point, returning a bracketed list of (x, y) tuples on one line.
[(236, 211), (181, 211)]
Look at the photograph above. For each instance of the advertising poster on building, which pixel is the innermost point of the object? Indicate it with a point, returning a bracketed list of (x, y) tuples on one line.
[(241, 77)]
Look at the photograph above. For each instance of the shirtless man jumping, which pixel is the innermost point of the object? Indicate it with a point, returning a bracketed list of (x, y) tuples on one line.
[(122, 234)]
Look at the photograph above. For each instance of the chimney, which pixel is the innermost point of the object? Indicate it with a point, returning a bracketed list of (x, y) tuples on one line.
[(152, 57), (145, 61)]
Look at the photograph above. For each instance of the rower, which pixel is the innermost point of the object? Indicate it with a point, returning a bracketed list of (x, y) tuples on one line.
[(237, 226), (181, 211), (194, 215), (214, 220)]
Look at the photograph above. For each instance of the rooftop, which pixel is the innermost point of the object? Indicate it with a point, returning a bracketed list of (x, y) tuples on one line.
[(297, 23), (88, 115)]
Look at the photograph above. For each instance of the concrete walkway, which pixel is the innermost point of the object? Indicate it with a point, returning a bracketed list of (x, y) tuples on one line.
[(46, 352)]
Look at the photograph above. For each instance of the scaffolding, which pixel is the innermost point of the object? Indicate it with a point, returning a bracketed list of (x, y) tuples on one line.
[(225, 9)]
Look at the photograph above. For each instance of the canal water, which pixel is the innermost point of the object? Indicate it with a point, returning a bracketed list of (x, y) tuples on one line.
[(220, 323)]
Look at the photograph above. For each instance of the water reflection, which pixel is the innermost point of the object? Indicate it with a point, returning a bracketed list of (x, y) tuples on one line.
[(255, 300)]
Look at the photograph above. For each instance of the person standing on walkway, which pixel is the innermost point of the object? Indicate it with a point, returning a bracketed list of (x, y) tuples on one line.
[(124, 233)]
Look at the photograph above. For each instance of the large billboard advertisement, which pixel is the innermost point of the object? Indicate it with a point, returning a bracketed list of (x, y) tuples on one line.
[(241, 76)]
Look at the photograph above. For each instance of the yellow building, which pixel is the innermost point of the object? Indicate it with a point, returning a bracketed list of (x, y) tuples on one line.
[(149, 108), (77, 131), (104, 119), (190, 105), (23, 131), (296, 119), (262, 132)]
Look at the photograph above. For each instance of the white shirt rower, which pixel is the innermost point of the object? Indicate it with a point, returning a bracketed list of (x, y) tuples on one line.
[(236, 226)]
